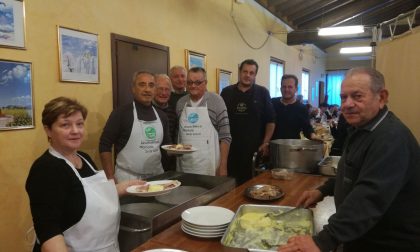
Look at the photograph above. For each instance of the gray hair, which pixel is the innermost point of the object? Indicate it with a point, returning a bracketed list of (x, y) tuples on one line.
[(171, 72), (377, 80), (137, 73), (165, 77)]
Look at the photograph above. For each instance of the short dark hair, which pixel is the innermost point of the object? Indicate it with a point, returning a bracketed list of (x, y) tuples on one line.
[(61, 106), (198, 70), (290, 76), (249, 62)]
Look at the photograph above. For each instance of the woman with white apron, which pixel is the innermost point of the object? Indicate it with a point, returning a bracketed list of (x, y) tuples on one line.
[(196, 128), (97, 231), (141, 158), (74, 207)]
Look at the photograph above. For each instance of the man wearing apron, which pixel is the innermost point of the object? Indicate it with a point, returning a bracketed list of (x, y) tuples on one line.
[(251, 117), (203, 123), (136, 131)]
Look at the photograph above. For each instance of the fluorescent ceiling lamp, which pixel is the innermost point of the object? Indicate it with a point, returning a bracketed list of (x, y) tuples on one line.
[(361, 49), (341, 30)]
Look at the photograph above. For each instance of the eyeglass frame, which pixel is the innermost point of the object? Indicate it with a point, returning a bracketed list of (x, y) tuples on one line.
[(195, 83)]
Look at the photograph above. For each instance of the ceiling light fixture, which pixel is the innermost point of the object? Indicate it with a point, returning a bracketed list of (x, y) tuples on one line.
[(341, 30), (360, 49)]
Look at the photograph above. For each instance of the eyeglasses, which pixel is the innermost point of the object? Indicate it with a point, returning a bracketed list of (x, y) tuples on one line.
[(197, 82)]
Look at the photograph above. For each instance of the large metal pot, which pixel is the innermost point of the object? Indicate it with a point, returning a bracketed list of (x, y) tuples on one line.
[(299, 155)]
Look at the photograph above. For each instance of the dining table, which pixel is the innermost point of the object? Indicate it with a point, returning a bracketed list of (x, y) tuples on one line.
[(174, 238)]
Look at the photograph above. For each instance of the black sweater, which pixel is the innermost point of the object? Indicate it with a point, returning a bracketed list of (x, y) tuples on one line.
[(56, 195), (376, 190), (291, 119)]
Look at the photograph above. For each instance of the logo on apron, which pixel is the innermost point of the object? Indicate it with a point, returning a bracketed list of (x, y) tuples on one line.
[(241, 107), (150, 132), (193, 117)]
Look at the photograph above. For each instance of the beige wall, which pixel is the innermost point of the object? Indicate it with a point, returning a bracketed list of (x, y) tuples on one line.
[(204, 26), (399, 61)]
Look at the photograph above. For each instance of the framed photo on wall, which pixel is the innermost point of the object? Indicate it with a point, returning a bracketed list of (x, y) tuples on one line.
[(16, 100), (223, 79), (12, 24), (78, 56), (195, 59)]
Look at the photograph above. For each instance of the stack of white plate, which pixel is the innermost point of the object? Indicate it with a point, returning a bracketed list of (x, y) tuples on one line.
[(206, 221)]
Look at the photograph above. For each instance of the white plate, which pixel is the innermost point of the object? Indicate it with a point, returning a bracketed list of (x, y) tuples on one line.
[(164, 250), (132, 189), (219, 227), (174, 151), (204, 231), (201, 235), (208, 215)]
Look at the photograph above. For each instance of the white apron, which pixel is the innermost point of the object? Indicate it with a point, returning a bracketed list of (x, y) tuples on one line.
[(97, 230), (195, 128), (141, 158)]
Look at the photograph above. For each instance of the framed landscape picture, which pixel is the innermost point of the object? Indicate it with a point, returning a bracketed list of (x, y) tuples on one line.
[(16, 102), (78, 56), (223, 79), (195, 59), (12, 24)]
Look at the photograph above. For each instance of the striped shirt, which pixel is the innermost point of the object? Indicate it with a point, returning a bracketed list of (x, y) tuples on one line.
[(217, 113)]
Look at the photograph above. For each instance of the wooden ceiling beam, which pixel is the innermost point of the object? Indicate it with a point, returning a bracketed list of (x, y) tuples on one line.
[(344, 13)]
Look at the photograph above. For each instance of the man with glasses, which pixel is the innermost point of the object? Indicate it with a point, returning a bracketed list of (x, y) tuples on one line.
[(203, 123), (251, 118), (136, 130)]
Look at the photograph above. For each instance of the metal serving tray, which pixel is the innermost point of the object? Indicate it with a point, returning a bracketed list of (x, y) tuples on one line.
[(266, 233)]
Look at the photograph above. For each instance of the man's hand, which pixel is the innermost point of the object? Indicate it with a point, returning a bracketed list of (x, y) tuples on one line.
[(309, 198), (264, 149), (301, 243)]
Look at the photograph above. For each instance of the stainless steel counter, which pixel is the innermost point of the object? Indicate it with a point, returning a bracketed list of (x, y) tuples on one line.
[(143, 217)]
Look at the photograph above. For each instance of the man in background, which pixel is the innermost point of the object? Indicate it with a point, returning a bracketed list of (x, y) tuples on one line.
[(251, 117), (292, 116), (162, 95), (203, 123), (178, 76), (161, 100)]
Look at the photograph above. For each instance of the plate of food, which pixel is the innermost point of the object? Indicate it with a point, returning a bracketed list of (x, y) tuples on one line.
[(264, 192), (153, 188), (178, 148)]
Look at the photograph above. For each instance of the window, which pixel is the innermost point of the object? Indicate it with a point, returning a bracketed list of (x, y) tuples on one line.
[(276, 72), (334, 79), (305, 84)]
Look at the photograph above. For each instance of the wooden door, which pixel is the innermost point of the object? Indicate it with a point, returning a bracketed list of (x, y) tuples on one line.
[(130, 55)]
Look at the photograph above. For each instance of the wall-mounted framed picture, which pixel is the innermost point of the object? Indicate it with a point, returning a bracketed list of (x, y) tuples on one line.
[(12, 24), (78, 55), (223, 79), (195, 59), (16, 100)]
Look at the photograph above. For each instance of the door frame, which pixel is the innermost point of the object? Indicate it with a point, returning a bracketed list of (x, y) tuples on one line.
[(114, 56)]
